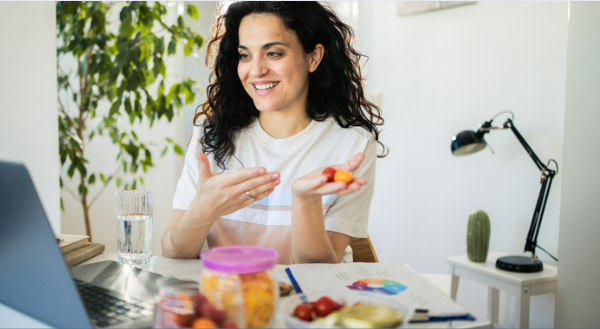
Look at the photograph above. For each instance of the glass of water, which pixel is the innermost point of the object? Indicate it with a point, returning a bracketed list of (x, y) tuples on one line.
[(134, 225)]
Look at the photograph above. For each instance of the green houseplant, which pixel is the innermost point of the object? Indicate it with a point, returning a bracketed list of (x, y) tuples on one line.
[(116, 77)]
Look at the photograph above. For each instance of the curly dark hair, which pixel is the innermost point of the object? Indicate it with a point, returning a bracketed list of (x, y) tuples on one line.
[(335, 88)]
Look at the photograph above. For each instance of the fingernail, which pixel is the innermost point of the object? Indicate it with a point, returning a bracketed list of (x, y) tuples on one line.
[(275, 176), (261, 171)]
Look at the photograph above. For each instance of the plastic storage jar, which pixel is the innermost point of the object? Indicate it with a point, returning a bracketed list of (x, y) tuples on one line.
[(180, 304), (252, 268)]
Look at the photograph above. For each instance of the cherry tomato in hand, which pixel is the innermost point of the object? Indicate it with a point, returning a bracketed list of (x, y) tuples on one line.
[(324, 306), (342, 176), (330, 173), (303, 312)]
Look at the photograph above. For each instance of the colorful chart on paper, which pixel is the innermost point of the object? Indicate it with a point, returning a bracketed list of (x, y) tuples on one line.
[(384, 286)]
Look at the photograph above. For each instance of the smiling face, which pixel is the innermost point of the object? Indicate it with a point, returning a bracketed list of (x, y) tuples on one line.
[(273, 67)]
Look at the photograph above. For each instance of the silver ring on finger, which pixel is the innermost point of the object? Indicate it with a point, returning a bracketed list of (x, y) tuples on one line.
[(249, 196)]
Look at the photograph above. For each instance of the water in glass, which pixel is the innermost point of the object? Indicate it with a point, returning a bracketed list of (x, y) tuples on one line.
[(134, 239)]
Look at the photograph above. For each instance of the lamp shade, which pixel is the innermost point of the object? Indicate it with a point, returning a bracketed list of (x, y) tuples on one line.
[(467, 142)]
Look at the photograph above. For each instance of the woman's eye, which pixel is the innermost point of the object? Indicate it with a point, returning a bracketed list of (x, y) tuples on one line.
[(273, 54), (243, 56)]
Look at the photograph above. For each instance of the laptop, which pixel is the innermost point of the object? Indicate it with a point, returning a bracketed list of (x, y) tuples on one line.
[(35, 280)]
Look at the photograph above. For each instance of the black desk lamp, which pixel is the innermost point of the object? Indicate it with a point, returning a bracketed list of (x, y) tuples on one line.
[(468, 142)]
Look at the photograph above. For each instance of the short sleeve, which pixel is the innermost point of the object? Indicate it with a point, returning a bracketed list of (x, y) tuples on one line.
[(349, 214)]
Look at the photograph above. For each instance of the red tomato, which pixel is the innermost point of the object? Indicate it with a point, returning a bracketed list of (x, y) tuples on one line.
[(211, 312), (229, 324), (199, 300), (337, 306), (342, 176), (330, 173), (324, 306), (303, 312)]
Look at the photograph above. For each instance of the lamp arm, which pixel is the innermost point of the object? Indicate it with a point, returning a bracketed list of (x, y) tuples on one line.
[(546, 182), (534, 157), (538, 213)]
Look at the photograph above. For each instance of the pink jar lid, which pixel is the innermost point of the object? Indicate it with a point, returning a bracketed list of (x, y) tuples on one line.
[(239, 259)]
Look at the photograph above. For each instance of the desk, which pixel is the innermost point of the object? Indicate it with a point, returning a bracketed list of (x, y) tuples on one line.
[(522, 285), (190, 269), (184, 269)]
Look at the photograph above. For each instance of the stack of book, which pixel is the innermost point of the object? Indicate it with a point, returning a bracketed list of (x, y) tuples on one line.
[(77, 248)]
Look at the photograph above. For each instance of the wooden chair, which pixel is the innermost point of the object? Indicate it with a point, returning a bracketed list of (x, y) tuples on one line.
[(363, 251)]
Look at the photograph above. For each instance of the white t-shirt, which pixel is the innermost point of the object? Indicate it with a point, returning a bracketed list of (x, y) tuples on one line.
[(267, 222)]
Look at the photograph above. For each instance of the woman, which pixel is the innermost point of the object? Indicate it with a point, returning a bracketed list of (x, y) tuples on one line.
[(285, 101)]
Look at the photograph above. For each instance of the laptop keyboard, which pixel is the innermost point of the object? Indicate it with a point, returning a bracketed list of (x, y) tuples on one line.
[(107, 308)]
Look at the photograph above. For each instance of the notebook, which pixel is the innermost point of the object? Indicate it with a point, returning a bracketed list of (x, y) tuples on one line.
[(35, 280)]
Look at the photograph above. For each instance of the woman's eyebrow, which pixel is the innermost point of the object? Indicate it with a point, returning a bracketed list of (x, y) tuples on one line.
[(266, 45)]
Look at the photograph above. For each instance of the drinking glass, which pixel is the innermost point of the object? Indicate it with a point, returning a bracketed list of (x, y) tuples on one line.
[(134, 225)]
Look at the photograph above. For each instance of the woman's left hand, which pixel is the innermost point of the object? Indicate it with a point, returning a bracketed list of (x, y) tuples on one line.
[(315, 184)]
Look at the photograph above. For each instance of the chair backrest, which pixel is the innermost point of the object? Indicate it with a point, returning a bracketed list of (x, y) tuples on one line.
[(363, 251)]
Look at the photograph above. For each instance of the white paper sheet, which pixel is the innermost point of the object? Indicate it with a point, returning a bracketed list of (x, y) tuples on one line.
[(397, 281)]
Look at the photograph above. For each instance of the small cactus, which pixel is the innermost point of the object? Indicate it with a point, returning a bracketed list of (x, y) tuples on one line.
[(478, 236)]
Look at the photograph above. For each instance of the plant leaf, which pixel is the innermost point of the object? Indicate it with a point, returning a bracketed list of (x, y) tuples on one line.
[(177, 149), (192, 11)]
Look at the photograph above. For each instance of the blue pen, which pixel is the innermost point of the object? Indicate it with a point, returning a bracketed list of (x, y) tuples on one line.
[(422, 315), (288, 271)]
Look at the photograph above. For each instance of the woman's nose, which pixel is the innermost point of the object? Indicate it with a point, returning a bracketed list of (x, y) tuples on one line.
[(259, 67)]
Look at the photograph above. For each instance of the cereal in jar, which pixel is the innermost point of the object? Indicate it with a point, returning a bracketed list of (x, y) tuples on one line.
[(250, 268)]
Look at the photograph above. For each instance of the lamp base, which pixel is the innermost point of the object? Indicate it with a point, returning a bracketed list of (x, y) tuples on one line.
[(521, 264)]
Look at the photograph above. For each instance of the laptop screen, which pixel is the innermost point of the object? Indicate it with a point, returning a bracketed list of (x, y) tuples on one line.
[(34, 278)]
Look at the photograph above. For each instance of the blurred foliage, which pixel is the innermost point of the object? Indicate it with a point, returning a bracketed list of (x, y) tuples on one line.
[(115, 73)]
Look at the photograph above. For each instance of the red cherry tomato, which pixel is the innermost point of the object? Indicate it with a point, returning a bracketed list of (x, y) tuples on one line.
[(229, 324), (337, 306), (324, 306), (199, 300), (330, 173), (303, 312), (342, 176), (211, 312)]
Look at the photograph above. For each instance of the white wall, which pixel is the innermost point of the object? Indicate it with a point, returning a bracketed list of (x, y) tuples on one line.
[(578, 291), (442, 72), (28, 122)]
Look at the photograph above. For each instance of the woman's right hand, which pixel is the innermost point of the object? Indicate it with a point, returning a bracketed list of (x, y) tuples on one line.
[(216, 196), (222, 194)]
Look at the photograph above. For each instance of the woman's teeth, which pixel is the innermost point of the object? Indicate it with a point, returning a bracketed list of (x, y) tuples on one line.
[(266, 86)]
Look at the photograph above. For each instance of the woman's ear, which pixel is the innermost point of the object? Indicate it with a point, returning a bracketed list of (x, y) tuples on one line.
[(315, 57)]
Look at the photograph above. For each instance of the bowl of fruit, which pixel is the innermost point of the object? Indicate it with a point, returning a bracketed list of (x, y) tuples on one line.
[(343, 309)]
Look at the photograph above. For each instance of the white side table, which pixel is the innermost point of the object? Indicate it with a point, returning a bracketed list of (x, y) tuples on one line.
[(522, 285)]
